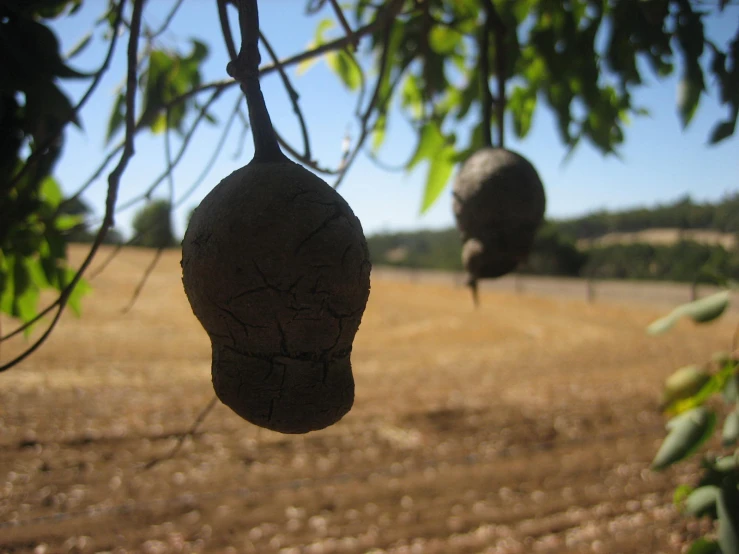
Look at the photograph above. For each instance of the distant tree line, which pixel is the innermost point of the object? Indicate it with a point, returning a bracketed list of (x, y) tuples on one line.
[(681, 214), (555, 250)]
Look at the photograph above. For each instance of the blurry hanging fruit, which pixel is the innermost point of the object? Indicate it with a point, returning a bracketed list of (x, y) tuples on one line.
[(499, 203), (276, 268)]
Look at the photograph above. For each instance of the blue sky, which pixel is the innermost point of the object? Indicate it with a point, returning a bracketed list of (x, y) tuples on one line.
[(659, 162)]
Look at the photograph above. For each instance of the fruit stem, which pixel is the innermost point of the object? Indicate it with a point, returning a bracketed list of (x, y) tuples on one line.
[(486, 96), (245, 69)]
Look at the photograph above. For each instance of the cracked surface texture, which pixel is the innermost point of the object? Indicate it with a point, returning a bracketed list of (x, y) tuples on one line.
[(276, 268), (499, 203)]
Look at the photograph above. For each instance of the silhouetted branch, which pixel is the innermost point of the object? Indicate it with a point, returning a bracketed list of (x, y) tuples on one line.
[(493, 18), (354, 41), (293, 95), (387, 19), (191, 431)]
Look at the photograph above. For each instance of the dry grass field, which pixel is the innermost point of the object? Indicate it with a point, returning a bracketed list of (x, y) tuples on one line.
[(525, 426)]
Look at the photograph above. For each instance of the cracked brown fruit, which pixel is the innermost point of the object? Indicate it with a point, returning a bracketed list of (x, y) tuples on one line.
[(499, 204), (276, 268)]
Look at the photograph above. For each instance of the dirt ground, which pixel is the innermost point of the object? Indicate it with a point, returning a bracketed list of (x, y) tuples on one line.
[(525, 426)]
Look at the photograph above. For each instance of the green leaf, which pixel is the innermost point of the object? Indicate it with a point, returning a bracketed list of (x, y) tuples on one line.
[(444, 40), (702, 501), (687, 432), (730, 433), (704, 546), (684, 383), (522, 105), (688, 95), (342, 63), (80, 46), (75, 298), (728, 517), (429, 143), (440, 169), (701, 311), (722, 131), (708, 308), (378, 133), (731, 389), (117, 117), (65, 222), (51, 192), (323, 26)]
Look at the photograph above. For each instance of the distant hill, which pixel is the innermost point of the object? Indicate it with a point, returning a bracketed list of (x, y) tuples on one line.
[(665, 237), (675, 241)]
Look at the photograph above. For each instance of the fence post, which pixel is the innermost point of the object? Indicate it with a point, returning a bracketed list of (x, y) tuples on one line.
[(590, 290)]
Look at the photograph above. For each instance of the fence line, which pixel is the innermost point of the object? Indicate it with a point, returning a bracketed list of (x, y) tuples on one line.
[(663, 293)]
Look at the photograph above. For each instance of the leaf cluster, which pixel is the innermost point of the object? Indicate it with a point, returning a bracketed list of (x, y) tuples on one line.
[(696, 397)]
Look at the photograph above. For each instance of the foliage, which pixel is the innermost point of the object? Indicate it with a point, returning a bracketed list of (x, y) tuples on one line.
[(152, 225), (581, 59), (697, 398), (33, 113)]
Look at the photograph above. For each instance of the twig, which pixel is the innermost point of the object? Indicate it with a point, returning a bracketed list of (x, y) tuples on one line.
[(292, 93), (292, 60), (499, 27), (113, 184), (142, 282), (198, 181), (170, 179), (190, 432), (302, 159), (226, 29), (486, 97), (85, 97), (167, 20), (364, 120), (354, 40), (178, 158), (245, 69)]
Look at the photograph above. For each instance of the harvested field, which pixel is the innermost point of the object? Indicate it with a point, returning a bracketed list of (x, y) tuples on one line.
[(525, 426)]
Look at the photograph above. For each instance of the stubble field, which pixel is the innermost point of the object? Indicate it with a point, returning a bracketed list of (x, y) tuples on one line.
[(525, 426)]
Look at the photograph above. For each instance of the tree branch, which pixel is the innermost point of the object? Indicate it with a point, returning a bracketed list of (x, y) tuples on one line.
[(353, 39), (493, 18), (486, 97), (364, 120), (226, 29), (292, 93)]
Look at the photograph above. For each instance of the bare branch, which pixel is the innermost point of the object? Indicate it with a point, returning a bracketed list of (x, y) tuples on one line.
[(142, 282), (354, 40), (486, 97), (493, 19), (178, 158), (364, 120), (190, 432), (292, 60), (198, 181), (292, 93), (113, 184), (226, 29), (167, 20)]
